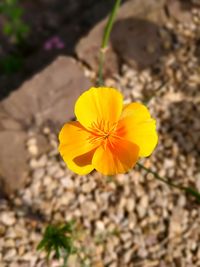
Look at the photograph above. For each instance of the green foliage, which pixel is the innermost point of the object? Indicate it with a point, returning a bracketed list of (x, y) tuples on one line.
[(14, 26), (59, 241), (11, 63)]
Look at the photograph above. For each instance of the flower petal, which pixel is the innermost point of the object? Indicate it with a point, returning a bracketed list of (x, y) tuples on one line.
[(138, 127), (119, 157), (74, 143), (97, 105), (81, 164), (139, 111)]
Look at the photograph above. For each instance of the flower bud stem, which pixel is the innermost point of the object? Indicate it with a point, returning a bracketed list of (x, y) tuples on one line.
[(187, 190), (104, 44)]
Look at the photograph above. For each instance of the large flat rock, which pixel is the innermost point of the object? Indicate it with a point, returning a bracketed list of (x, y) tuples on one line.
[(13, 160), (134, 38), (49, 96)]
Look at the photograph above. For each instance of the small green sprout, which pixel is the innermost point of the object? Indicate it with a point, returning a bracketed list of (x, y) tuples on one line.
[(14, 27), (59, 241)]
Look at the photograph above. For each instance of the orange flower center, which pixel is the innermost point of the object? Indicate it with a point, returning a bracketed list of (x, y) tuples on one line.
[(101, 132)]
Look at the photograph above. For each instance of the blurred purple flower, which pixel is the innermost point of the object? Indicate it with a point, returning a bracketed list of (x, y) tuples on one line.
[(54, 43)]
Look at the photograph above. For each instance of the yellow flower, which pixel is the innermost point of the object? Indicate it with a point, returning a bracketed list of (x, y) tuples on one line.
[(108, 136)]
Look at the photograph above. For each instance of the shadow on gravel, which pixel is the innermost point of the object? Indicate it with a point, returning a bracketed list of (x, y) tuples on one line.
[(183, 127)]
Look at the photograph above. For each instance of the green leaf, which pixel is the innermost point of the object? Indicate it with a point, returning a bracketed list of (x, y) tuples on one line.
[(68, 227), (16, 13), (11, 64), (57, 251), (58, 240), (7, 28), (42, 244)]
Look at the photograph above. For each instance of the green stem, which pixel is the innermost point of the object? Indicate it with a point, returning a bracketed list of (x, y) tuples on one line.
[(65, 260), (165, 180), (105, 41)]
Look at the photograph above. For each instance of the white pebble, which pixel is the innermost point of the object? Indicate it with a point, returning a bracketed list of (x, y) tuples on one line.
[(7, 218)]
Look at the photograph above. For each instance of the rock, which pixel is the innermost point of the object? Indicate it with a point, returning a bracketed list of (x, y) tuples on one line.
[(126, 236), (9, 124), (2, 230), (197, 181), (19, 231), (39, 174), (146, 48), (176, 223), (100, 226), (67, 182), (42, 161), (127, 256), (130, 204), (32, 142), (13, 160), (33, 150), (10, 254), (48, 96), (59, 174), (142, 206), (88, 187), (21, 250), (42, 144), (113, 264), (180, 10), (135, 21), (142, 252), (47, 180), (53, 169), (89, 209), (9, 243)]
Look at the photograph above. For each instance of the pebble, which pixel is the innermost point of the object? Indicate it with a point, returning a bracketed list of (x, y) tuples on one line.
[(113, 264), (100, 226), (67, 182), (9, 243), (21, 250), (47, 180), (59, 174), (130, 204), (10, 254), (142, 253), (142, 206), (197, 181), (38, 173), (38, 163), (88, 209), (88, 187), (2, 230), (127, 256), (52, 170), (32, 141), (126, 236), (8, 218), (33, 150)]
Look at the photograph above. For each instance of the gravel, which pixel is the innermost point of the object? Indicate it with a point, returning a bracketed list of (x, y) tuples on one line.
[(134, 220)]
